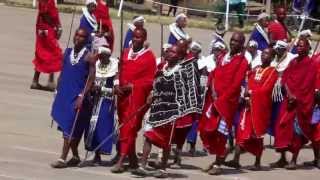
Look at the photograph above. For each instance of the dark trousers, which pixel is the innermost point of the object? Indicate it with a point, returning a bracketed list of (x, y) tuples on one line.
[(171, 8), (238, 8)]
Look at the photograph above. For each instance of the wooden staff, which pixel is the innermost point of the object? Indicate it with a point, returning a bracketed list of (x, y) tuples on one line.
[(72, 21), (161, 33), (77, 115)]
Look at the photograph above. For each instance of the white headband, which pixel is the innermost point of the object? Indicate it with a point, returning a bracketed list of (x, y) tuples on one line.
[(104, 50), (280, 44), (306, 32), (219, 45), (253, 43), (262, 16), (181, 15), (166, 46), (91, 1), (138, 19), (195, 45)]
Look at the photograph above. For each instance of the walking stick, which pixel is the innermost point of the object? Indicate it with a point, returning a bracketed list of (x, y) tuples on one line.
[(76, 118), (89, 156), (161, 32), (71, 25)]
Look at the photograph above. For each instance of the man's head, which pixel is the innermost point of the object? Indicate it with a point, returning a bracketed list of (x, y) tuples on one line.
[(280, 47), (175, 53), (237, 42), (303, 47), (138, 21), (217, 48), (267, 56), (195, 49), (181, 20), (91, 5), (306, 34), (80, 38), (165, 50), (183, 45), (252, 47), (263, 20), (281, 14), (220, 29), (139, 37)]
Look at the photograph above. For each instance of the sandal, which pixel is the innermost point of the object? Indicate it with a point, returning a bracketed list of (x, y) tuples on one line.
[(233, 164), (37, 86), (155, 164), (50, 87), (141, 172), (73, 162), (59, 164), (279, 164), (215, 170), (117, 169), (291, 166), (255, 168), (161, 174), (311, 163)]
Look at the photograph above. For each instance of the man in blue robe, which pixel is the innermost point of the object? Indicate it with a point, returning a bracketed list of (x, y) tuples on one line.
[(70, 109), (218, 35), (176, 29), (259, 33)]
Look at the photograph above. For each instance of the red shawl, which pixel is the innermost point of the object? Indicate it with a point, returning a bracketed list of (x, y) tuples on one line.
[(226, 81), (277, 31)]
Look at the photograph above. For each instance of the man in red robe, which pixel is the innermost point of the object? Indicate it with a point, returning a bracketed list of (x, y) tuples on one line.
[(137, 71), (293, 126), (255, 117), (48, 54), (102, 15), (222, 101), (316, 118), (277, 29)]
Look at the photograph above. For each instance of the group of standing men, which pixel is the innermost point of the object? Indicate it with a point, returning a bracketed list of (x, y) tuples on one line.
[(244, 91)]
